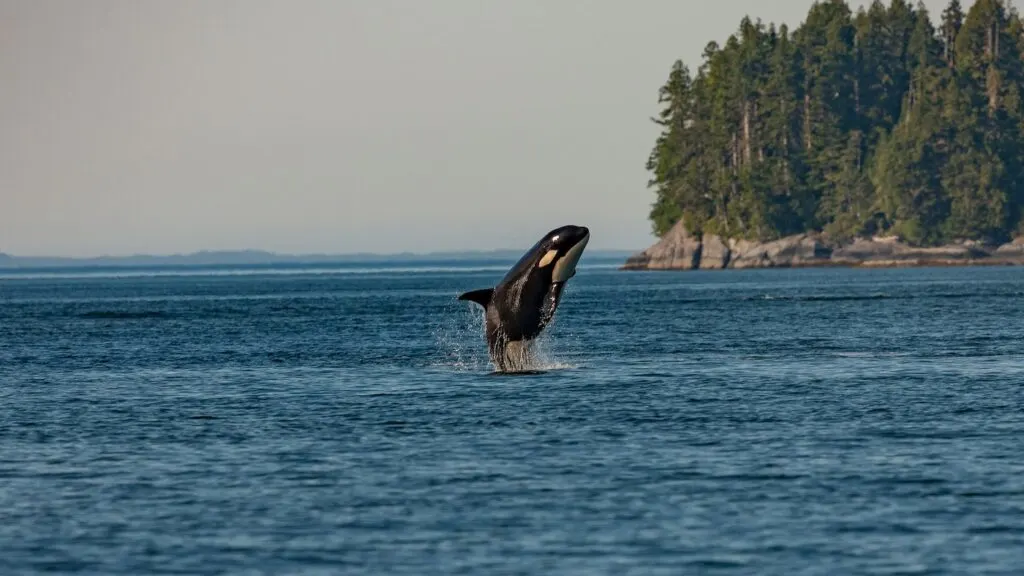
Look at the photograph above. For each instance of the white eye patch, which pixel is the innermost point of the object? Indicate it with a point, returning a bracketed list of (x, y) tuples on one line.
[(548, 258)]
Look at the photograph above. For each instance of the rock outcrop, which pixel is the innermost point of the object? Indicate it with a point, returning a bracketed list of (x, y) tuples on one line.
[(680, 250), (891, 251), (714, 254), (798, 250), (677, 250), (1011, 251)]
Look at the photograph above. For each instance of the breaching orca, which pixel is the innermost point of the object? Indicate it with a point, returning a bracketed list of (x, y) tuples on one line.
[(524, 302)]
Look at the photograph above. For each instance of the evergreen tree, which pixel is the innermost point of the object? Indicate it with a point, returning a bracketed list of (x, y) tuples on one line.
[(826, 41), (952, 20), (673, 149), (783, 165), (877, 122)]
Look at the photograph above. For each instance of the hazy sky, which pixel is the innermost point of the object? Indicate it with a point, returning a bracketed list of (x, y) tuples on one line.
[(337, 125)]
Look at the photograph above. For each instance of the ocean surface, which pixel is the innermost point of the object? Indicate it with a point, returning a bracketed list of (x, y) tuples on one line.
[(346, 420)]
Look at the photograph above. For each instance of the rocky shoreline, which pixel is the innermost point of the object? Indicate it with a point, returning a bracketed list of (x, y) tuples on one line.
[(680, 250)]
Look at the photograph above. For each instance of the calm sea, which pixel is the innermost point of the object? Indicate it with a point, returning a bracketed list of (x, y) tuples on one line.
[(346, 420)]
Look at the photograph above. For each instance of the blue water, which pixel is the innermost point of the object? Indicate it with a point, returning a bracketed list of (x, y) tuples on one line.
[(346, 420)]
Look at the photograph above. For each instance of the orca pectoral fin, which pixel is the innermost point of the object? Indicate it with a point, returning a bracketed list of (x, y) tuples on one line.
[(547, 310), (481, 297)]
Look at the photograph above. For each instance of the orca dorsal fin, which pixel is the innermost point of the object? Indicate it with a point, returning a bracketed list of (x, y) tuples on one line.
[(481, 297)]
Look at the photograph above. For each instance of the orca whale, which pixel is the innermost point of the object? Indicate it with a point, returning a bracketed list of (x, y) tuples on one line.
[(519, 307)]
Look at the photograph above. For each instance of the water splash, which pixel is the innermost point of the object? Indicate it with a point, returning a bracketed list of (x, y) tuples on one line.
[(543, 355), (459, 337), (462, 346)]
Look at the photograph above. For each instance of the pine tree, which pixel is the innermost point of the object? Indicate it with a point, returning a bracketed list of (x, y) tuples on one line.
[(983, 169), (673, 149), (952, 20), (783, 166), (827, 43)]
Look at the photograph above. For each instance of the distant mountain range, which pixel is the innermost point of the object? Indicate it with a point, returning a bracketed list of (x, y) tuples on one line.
[(263, 258)]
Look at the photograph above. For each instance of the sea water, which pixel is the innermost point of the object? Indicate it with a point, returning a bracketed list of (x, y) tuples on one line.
[(347, 420)]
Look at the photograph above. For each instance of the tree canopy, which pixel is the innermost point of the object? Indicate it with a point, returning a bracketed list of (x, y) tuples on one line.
[(879, 121)]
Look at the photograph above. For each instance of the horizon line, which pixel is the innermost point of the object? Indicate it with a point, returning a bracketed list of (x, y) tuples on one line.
[(271, 253)]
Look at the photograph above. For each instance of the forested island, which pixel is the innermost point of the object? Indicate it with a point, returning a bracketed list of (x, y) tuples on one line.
[(879, 129)]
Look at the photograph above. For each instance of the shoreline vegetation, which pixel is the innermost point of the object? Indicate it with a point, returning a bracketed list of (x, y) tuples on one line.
[(871, 138)]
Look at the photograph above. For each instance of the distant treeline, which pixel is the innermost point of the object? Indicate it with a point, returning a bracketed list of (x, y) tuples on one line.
[(874, 122)]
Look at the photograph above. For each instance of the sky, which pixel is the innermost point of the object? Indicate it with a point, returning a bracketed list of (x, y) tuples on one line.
[(336, 126)]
